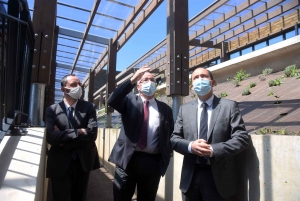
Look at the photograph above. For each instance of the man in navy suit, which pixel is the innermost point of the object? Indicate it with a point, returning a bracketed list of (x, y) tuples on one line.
[(71, 132), (209, 132), (141, 157)]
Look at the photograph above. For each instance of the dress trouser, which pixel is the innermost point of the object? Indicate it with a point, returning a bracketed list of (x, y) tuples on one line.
[(73, 185), (142, 172), (202, 187)]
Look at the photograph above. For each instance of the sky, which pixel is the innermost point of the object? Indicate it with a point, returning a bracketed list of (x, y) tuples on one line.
[(148, 35)]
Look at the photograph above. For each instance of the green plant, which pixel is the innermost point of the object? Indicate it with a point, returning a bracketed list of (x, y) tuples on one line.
[(246, 91), (276, 82), (222, 94), (235, 83), (252, 84), (241, 75), (272, 83), (271, 92), (262, 78), (291, 71), (264, 131), (267, 71)]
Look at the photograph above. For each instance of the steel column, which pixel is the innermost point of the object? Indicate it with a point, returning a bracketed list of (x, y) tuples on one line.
[(91, 86), (111, 73), (44, 23), (177, 70), (224, 49)]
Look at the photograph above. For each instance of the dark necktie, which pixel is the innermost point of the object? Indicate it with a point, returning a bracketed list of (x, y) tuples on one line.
[(71, 121), (203, 130), (71, 117), (143, 134)]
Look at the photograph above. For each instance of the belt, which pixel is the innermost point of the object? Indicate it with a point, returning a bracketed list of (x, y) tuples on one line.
[(141, 153), (202, 167)]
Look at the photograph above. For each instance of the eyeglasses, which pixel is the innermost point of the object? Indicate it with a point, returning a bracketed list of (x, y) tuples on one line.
[(146, 80)]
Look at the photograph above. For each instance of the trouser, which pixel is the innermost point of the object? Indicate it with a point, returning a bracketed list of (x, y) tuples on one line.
[(142, 172), (73, 185)]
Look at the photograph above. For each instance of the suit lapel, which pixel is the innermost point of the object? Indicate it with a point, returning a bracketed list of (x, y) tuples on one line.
[(77, 114), (64, 109), (214, 115), (140, 115), (193, 113)]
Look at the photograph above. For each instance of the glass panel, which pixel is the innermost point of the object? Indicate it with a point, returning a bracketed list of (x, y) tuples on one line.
[(72, 13), (260, 45), (234, 55), (246, 50), (275, 39), (290, 34), (218, 61)]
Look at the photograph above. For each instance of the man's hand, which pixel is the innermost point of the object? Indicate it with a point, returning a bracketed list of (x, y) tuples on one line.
[(201, 148), (81, 131), (139, 73), (56, 128)]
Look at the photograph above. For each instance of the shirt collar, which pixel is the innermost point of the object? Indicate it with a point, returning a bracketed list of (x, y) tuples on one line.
[(150, 100), (73, 106), (208, 101)]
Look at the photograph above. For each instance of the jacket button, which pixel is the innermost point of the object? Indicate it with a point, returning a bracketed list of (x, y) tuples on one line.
[(134, 146)]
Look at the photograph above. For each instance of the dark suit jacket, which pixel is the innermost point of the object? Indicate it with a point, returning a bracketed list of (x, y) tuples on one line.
[(131, 108), (59, 157), (227, 136)]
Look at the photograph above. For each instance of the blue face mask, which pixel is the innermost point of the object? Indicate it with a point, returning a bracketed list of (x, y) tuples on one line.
[(148, 88), (202, 86)]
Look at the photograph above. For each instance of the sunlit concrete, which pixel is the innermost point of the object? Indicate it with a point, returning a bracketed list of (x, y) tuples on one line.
[(22, 166)]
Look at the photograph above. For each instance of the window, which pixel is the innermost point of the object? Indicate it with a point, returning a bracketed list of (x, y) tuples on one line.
[(247, 50), (234, 55), (290, 34), (260, 45), (212, 63), (275, 39)]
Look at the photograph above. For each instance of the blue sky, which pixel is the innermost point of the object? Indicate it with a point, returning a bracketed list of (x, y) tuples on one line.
[(152, 32), (148, 35)]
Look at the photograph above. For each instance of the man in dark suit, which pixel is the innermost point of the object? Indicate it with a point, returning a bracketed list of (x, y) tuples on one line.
[(209, 132), (141, 157), (71, 132)]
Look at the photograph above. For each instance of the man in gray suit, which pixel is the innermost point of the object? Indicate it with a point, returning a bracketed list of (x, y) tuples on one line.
[(71, 132), (209, 132)]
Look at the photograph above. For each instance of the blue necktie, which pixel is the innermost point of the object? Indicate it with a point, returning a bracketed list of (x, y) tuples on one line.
[(203, 130)]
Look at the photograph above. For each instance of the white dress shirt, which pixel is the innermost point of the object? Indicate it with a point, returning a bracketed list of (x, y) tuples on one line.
[(152, 132), (209, 112)]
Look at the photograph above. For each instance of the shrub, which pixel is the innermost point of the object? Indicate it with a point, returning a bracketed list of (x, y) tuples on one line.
[(267, 71), (271, 92), (222, 94), (291, 71), (252, 84), (272, 83), (262, 78), (236, 83), (246, 91), (241, 75)]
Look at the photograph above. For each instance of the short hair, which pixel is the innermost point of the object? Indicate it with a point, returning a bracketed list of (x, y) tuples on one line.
[(209, 72), (64, 79)]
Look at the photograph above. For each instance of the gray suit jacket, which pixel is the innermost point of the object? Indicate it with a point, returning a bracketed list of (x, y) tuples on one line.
[(227, 136)]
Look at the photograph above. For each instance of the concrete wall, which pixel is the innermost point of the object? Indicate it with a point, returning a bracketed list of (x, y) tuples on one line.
[(22, 167), (276, 57), (269, 168)]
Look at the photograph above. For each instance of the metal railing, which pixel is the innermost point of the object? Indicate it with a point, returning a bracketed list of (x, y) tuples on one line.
[(16, 53)]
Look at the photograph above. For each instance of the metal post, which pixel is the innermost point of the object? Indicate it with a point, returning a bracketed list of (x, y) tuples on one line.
[(108, 120), (36, 107), (176, 103), (296, 29)]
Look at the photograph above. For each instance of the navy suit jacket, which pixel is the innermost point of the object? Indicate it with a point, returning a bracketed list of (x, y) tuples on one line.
[(64, 141), (227, 135), (130, 106)]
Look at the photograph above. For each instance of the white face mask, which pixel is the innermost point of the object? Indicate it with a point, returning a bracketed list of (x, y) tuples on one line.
[(75, 92)]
